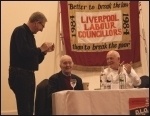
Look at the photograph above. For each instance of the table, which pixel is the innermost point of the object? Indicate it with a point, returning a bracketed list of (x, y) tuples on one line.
[(95, 102)]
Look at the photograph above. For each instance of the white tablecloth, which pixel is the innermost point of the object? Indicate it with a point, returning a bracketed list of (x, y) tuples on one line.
[(90, 102)]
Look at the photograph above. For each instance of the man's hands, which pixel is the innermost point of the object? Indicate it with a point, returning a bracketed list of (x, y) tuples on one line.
[(120, 68), (47, 47), (127, 67)]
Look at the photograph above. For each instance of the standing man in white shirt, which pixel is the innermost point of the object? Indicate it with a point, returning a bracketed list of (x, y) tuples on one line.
[(115, 67)]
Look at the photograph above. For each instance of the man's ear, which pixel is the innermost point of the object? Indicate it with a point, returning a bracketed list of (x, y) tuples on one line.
[(72, 63)]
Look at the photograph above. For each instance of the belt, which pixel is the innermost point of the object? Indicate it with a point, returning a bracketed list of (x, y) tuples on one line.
[(16, 68)]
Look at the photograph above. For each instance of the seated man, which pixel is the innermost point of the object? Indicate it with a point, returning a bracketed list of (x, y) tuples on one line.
[(61, 80), (115, 67)]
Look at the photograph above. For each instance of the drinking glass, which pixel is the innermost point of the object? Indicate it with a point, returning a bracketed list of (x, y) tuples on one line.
[(122, 80), (73, 83)]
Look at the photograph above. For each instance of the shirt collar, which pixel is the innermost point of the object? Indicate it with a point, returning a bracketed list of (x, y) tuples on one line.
[(65, 74)]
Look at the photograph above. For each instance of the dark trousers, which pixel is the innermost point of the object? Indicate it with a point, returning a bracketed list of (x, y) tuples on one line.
[(22, 83)]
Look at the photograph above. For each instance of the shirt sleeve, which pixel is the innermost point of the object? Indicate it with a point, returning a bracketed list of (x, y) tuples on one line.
[(134, 77)]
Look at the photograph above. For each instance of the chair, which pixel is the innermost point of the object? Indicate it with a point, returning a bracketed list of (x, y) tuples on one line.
[(144, 82), (41, 99)]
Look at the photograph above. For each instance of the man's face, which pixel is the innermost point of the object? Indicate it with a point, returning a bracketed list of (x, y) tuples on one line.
[(66, 65), (112, 60), (38, 27)]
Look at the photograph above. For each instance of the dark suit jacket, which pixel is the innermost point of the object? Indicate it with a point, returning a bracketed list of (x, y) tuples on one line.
[(57, 83)]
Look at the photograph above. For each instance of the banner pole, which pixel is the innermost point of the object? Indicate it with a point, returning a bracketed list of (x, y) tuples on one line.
[(57, 46), (143, 33)]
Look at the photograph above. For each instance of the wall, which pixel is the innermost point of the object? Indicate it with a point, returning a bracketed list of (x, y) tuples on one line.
[(144, 23), (16, 13)]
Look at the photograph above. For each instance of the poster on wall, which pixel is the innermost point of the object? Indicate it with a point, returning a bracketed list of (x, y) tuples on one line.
[(92, 28), (139, 106)]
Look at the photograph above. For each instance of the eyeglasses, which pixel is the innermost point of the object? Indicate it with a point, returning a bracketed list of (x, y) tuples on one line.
[(41, 24)]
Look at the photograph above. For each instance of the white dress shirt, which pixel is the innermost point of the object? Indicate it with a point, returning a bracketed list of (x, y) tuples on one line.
[(132, 79)]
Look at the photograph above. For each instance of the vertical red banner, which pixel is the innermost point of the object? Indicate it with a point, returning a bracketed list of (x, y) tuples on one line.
[(93, 28)]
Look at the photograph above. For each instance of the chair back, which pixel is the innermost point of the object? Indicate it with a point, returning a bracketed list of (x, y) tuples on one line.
[(144, 82), (41, 98)]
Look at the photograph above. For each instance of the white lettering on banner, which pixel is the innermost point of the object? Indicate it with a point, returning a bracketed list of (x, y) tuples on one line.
[(141, 112)]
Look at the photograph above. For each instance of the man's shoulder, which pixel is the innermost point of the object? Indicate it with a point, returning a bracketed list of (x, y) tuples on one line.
[(20, 27), (107, 69), (54, 75)]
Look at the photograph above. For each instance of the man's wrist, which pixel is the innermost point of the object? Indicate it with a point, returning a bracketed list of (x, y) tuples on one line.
[(44, 53)]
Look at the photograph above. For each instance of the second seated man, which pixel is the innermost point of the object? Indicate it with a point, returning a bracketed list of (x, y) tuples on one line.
[(61, 80)]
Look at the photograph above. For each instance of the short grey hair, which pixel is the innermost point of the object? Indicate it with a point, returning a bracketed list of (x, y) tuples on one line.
[(37, 16)]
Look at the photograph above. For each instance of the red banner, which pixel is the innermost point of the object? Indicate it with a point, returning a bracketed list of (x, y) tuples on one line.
[(92, 28), (139, 106)]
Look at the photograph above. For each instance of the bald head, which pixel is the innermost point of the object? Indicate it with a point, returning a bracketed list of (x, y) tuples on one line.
[(114, 53), (65, 57), (113, 59), (66, 64)]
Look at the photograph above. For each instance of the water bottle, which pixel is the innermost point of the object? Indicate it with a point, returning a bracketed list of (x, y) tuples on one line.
[(109, 80), (108, 84), (122, 80)]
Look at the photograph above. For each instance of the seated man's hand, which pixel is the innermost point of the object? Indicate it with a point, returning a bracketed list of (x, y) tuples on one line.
[(128, 67)]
